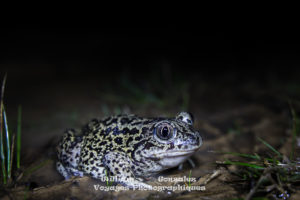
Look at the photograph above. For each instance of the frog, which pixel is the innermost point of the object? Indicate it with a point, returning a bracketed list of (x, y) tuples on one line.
[(128, 147)]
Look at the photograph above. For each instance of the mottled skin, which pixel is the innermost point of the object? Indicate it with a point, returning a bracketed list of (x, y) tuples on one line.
[(128, 146)]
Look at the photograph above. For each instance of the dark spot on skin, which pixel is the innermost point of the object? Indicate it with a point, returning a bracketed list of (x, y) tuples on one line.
[(147, 146), (89, 146), (107, 131), (124, 121), (106, 120), (144, 130), (91, 155), (113, 121), (128, 141), (136, 123), (118, 140), (171, 146), (137, 138), (133, 131), (116, 131), (102, 133), (116, 169), (120, 149), (125, 130), (148, 122)]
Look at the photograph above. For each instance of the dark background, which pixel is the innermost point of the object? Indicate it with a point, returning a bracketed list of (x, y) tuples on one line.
[(203, 69), (251, 53)]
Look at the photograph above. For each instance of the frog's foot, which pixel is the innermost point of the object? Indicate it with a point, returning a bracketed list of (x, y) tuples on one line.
[(76, 172), (68, 172), (191, 162), (140, 179), (63, 171), (120, 166)]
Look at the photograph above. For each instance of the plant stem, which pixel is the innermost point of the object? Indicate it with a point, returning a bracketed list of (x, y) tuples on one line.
[(12, 152), (1, 132), (7, 143), (19, 136)]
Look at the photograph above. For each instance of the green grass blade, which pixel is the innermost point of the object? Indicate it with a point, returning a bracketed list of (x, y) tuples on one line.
[(269, 146), (228, 162), (8, 158), (2, 157), (256, 157), (19, 136), (34, 168)]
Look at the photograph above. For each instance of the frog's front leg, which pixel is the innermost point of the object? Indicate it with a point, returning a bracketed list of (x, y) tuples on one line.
[(119, 165), (191, 162)]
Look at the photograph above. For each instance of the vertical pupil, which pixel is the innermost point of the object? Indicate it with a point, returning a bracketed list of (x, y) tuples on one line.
[(165, 131)]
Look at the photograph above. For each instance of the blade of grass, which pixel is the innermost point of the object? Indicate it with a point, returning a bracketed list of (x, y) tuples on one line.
[(228, 162), (19, 136), (7, 144), (190, 178), (1, 132), (270, 147), (256, 157), (295, 130), (34, 168), (12, 153)]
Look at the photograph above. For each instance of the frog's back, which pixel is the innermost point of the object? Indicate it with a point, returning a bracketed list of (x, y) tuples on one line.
[(112, 133)]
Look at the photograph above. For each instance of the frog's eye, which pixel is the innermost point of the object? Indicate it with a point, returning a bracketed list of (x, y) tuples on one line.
[(164, 132)]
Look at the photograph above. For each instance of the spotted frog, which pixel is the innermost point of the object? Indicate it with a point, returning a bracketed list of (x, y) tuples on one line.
[(128, 147)]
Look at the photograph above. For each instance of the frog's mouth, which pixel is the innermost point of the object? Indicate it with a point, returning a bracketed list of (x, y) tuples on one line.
[(173, 154), (173, 158)]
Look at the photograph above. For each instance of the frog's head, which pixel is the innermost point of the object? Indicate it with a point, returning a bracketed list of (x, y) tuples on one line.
[(172, 141)]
